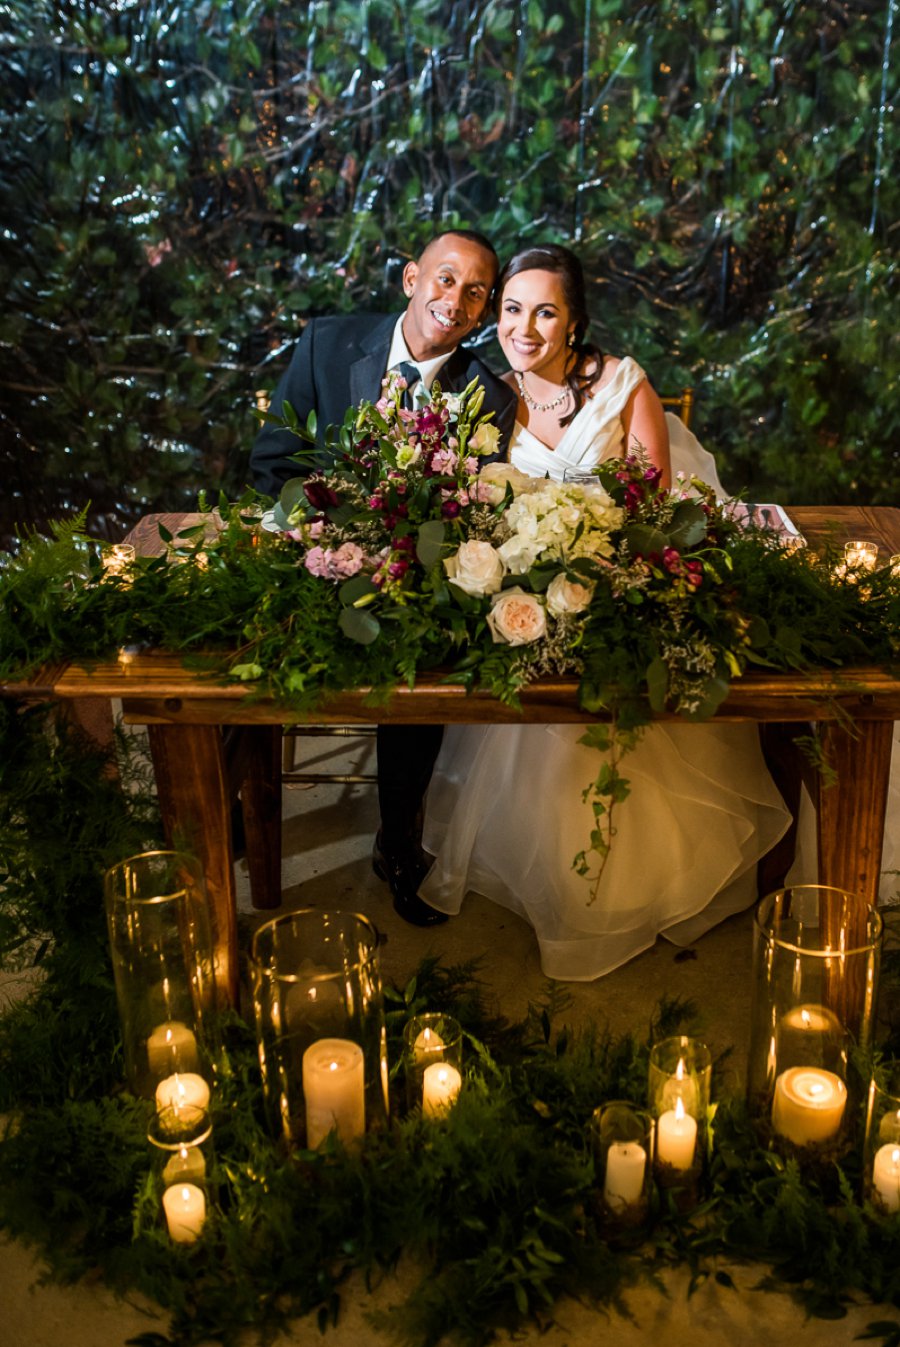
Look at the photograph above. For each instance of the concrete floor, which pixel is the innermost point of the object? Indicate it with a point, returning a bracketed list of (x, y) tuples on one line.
[(327, 843)]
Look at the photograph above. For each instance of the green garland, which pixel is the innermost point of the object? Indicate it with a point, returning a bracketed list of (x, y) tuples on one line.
[(496, 1201)]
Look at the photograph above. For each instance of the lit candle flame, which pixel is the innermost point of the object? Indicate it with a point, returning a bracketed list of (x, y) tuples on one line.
[(679, 1109)]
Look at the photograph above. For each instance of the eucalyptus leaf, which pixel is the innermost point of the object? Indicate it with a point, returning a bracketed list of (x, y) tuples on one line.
[(430, 542), (357, 587), (359, 625)]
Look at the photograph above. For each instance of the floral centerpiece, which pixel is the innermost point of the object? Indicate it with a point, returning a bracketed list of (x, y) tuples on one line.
[(400, 550), (514, 575)]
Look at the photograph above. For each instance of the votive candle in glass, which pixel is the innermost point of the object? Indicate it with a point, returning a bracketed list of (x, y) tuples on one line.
[(860, 555)]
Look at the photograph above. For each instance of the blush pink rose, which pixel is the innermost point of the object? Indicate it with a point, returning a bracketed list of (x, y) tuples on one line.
[(516, 618)]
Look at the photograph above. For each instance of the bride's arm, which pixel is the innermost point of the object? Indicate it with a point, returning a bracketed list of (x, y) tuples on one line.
[(644, 423)]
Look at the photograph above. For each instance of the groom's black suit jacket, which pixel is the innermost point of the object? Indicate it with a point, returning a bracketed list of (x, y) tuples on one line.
[(339, 362)]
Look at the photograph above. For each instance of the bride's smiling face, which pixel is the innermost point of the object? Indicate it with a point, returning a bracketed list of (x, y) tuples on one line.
[(535, 323)]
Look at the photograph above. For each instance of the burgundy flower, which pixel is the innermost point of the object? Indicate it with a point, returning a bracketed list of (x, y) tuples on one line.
[(397, 569), (450, 509), (429, 424), (671, 559), (320, 496)]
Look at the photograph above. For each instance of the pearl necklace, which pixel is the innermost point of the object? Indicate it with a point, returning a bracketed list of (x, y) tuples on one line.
[(539, 406)]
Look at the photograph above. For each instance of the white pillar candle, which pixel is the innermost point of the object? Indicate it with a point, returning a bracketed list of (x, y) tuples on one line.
[(623, 1185), (676, 1138), (680, 1086), (187, 1165), (427, 1044), (809, 1105), (886, 1176), (440, 1086), (172, 1047), (182, 1088), (334, 1090), (185, 1208)]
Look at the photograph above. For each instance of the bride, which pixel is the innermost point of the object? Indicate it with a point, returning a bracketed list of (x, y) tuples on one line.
[(504, 813)]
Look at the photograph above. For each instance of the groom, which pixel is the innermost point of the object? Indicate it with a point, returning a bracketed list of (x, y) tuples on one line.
[(339, 362)]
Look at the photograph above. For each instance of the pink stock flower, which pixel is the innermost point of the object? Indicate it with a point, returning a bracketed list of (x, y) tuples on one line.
[(348, 559), (339, 564), (444, 461), (316, 562)]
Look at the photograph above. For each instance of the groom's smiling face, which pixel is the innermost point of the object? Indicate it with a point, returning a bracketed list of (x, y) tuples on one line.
[(448, 291)]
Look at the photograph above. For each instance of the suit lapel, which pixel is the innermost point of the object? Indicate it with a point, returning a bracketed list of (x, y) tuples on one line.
[(452, 376), (367, 373)]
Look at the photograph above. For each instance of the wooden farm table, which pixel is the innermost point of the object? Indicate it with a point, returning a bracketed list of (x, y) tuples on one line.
[(185, 713)]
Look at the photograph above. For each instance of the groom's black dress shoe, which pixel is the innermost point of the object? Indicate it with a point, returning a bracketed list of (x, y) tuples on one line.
[(403, 872)]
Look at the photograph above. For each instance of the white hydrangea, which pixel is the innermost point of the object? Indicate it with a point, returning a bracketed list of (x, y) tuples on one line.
[(545, 523)]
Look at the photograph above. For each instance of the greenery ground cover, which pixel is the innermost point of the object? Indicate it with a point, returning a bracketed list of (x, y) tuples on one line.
[(497, 1201)]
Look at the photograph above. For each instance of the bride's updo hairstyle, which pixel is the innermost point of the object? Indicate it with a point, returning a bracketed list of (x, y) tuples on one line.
[(564, 264)]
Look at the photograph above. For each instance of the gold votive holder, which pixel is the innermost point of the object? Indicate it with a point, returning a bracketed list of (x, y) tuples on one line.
[(621, 1138), (432, 1062), (116, 559), (181, 1142), (860, 555)]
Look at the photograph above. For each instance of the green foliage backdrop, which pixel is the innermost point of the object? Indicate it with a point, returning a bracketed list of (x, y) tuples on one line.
[(183, 182)]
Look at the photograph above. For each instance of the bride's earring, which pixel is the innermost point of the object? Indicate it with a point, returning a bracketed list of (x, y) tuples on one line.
[(571, 338)]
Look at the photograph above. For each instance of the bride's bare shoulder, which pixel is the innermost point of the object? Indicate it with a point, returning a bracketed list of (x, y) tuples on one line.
[(610, 364)]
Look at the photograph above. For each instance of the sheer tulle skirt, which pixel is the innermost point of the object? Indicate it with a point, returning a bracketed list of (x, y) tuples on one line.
[(505, 818)]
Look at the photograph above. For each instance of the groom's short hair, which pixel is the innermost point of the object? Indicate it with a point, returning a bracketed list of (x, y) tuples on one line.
[(471, 235)]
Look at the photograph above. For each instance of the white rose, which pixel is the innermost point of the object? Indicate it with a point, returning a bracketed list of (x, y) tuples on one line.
[(567, 596), (451, 401), (475, 568), (517, 618), (486, 439), (492, 479)]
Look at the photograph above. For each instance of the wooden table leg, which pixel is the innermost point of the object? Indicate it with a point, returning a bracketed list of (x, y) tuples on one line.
[(260, 787), (192, 786), (850, 819), (851, 812)]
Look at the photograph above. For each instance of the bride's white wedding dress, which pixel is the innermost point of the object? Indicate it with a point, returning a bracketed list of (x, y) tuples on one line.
[(505, 815)]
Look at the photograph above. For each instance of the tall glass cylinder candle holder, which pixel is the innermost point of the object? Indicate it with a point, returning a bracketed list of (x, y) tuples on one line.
[(319, 1013), (163, 963), (622, 1147), (815, 975), (428, 1041), (881, 1150), (678, 1088), (181, 1142)]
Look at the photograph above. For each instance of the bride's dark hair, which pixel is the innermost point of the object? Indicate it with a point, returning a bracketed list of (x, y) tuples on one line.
[(564, 264)]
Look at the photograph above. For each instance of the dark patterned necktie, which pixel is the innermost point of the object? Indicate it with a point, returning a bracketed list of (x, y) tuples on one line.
[(412, 377)]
